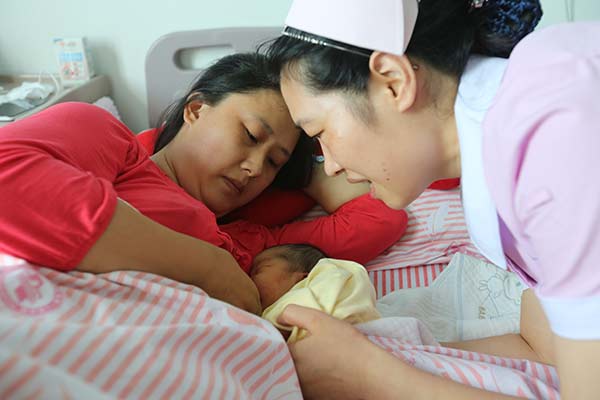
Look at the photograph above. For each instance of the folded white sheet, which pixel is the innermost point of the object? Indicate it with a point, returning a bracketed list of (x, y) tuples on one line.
[(470, 299)]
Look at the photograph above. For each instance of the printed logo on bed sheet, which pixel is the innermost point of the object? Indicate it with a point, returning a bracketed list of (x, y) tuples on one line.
[(24, 290), (436, 222)]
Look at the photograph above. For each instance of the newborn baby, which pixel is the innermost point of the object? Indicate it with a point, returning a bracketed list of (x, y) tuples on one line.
[(300, 274), (277, 269)]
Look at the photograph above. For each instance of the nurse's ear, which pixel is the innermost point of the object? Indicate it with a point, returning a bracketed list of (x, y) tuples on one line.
[(396, 75), (191, 111)]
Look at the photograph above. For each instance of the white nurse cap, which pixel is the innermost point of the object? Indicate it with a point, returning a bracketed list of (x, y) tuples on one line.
[(384, 25)]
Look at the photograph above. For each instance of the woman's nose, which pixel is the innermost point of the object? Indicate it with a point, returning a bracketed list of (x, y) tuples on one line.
[(253, 164), (331, 167)]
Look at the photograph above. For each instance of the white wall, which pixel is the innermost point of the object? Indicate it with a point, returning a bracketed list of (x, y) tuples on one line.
[(121, 31)]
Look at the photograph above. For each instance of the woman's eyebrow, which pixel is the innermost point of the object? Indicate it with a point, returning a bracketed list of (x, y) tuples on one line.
[(265, 125)]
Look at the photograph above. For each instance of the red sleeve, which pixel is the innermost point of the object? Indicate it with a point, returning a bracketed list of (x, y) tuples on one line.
[(445, 184), (147, 139), (57, 170), (274, 207), (359, 231)]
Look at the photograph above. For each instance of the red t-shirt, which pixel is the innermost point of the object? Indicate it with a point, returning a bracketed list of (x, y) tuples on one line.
[(62, 170)]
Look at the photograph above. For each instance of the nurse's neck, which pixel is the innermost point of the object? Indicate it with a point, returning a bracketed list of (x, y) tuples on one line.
[(443, 90), (450, 160)]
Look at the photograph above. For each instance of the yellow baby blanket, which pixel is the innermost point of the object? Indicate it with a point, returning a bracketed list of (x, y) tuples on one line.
[(340, 288)]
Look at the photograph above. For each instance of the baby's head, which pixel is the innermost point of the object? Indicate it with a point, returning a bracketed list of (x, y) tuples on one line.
[(277, 269)]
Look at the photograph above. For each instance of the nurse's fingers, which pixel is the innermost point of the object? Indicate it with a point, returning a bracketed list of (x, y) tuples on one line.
[(302, 317)]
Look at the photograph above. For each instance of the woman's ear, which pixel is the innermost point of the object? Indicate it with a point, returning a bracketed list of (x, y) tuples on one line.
[(191, 110), (396, 76)]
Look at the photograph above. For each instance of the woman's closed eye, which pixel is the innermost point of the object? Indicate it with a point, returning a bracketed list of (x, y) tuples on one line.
[(317, 135), (273, 162), (252, 138)]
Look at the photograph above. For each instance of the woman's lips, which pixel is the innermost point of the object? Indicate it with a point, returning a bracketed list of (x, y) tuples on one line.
[(233, 185)]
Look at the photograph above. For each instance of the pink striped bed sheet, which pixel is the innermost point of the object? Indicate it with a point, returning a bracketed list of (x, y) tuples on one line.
[(520, 378), (411, 341), (131, 335), (142, 336)]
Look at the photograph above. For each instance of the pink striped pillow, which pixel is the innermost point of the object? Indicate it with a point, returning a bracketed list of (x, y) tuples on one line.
[(436, 230)]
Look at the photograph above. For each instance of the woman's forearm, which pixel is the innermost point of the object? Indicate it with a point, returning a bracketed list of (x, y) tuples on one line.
[(333, 191), (135, 242)]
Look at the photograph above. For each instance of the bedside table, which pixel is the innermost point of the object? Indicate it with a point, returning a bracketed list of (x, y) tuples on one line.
[(87, 92)]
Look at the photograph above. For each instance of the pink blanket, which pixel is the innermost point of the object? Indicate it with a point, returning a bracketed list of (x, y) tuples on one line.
[(135, 335)]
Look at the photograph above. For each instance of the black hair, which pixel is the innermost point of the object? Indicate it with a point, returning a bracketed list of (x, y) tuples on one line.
[(239, 73), (446, 33), (301, 257)]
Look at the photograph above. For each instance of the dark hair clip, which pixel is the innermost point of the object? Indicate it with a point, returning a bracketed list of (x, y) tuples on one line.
[(320, 41)]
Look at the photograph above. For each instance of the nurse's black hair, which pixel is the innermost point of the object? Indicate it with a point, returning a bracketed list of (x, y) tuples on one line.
[(446, 33), (241, 73)]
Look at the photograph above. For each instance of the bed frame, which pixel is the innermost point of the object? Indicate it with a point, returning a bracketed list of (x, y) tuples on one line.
[(168, 76)]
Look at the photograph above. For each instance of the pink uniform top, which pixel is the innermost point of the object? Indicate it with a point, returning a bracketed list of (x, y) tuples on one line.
[(541, 168), (63, 169)]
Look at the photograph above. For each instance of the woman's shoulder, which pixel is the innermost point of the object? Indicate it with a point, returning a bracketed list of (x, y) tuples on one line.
[(79, 110), (88, 118), (72, 125)]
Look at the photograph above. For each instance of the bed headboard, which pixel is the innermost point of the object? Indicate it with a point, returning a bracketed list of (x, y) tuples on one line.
[(172, 61)]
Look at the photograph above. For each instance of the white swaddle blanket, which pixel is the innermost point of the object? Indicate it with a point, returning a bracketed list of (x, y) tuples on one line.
[(470, 299)]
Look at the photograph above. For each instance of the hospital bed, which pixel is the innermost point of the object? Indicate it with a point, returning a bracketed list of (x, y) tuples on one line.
[(136, 335)]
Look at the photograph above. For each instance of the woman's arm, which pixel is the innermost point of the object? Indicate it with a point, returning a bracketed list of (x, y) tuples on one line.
[(135, 242), (534, 342), (359, 231), (578, 363), (333, 191)]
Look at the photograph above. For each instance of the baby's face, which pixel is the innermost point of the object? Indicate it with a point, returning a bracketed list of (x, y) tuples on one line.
[(273, 276)]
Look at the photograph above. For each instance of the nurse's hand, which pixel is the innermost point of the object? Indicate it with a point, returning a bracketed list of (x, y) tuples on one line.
[(333, 360)]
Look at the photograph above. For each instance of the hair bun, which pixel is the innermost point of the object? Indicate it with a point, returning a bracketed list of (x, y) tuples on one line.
[(505, 23)]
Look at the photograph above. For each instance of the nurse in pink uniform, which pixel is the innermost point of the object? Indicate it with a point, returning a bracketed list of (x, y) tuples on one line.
[(401, 93)]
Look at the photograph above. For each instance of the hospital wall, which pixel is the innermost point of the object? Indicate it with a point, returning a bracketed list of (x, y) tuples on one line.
[(120, 32)]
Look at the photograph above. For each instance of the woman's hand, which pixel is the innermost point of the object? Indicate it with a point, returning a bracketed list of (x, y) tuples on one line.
[(333, 191), (332, 361), (228, 282)]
